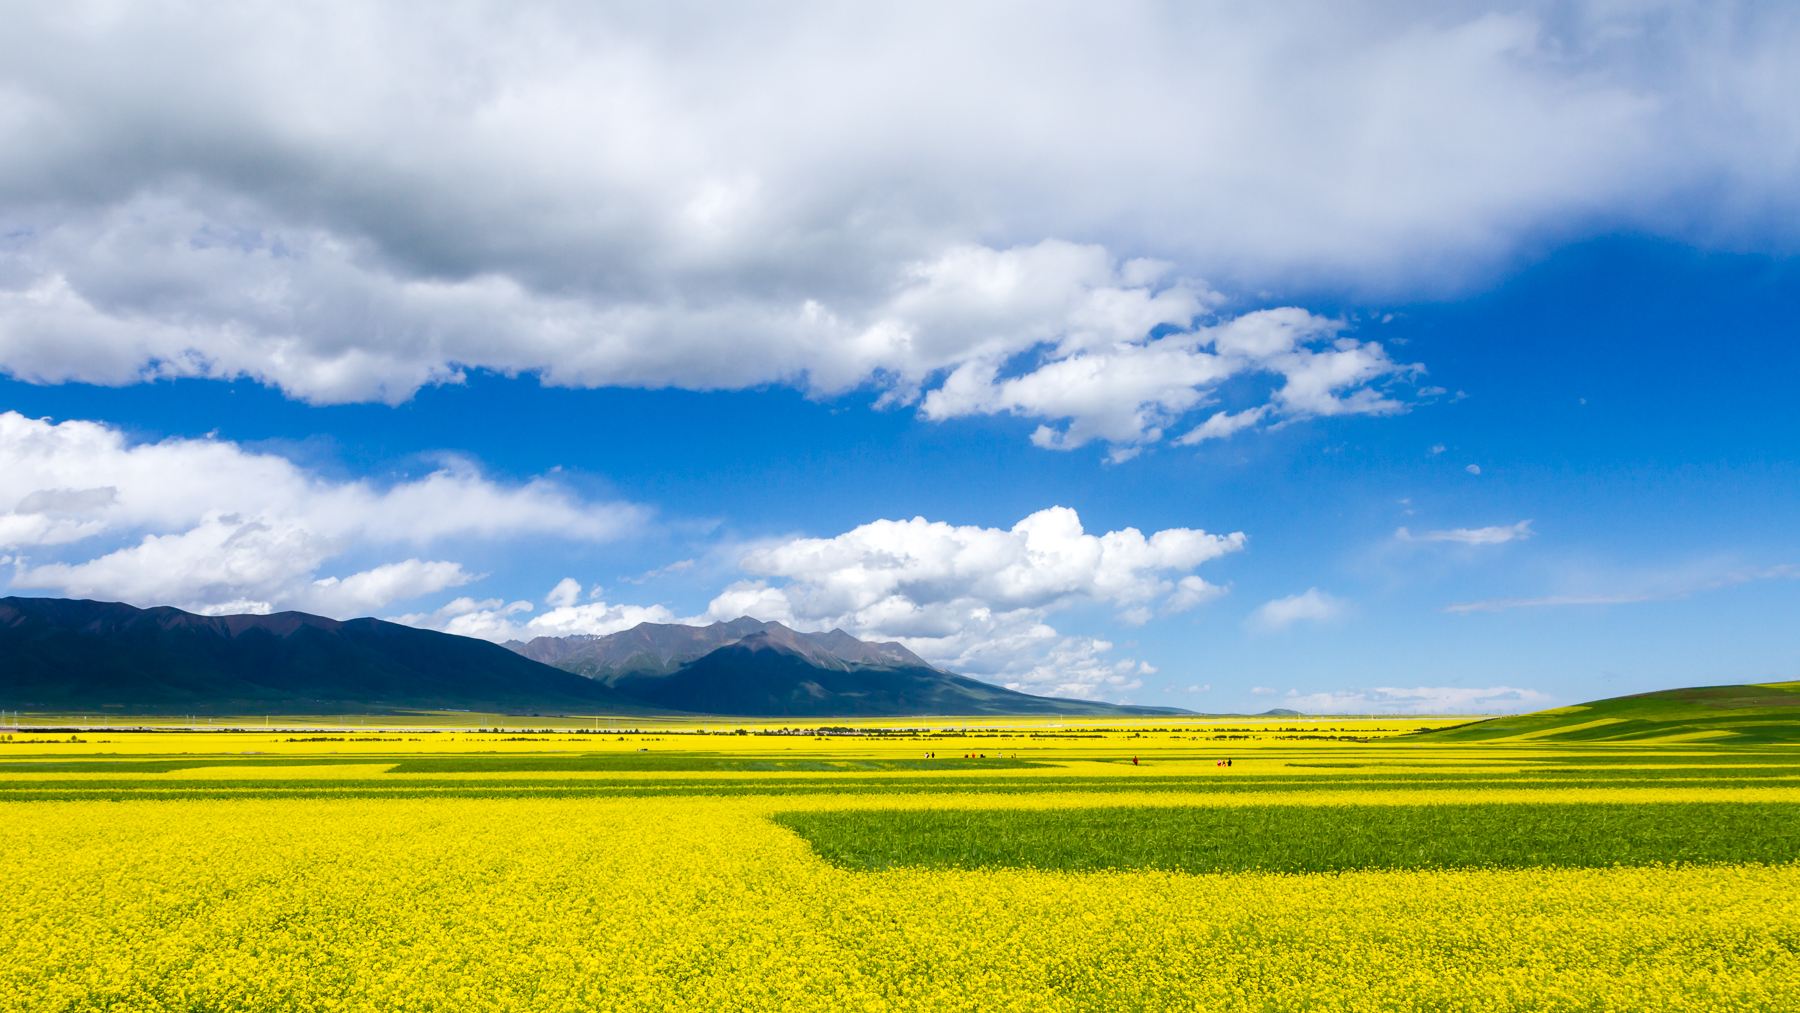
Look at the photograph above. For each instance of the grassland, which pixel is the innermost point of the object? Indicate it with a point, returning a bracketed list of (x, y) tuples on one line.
[(1028, 865), (1742, 715)]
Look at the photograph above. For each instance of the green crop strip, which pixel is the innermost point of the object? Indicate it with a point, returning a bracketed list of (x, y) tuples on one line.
[(1306, 838)]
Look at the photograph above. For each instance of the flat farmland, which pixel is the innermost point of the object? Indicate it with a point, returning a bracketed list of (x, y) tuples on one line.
[(1265, 864)]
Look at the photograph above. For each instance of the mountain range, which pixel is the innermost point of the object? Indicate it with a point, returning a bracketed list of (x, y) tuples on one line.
[(662, 648), (62, 655)]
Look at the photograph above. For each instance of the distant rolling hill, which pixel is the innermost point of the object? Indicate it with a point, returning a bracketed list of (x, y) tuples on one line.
[(1747, 714), (66, 656)]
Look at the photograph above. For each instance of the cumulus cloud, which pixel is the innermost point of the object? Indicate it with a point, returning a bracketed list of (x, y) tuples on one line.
[(500, 621), (211, 525), (1128, 392), (1079, 319), (1419, 700), (1309, 606), (1497, 534), (623, 195), (227, 564), (977, 599)]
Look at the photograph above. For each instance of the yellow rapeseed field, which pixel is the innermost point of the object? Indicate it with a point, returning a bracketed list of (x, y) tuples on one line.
[(235, 899)]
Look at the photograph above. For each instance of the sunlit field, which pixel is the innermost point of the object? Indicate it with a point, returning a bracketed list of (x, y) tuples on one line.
[(937, 863)]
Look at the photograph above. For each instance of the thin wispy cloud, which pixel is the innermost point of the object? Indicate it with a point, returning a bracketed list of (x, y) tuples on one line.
[(1419, 700), (1309, 606), (1498, 534), (1631, 596)]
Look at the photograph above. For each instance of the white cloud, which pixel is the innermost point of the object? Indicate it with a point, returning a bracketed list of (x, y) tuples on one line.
[(632, 196), (1262, 691), (229, 564), (976, 599), (361, 593), (1191, 591), (565, 594), (1419, 700), (1220, 425), (1079, 317), (1128, 392), (497, 620), (1498, 534), (1309, 606), (208, 524), (1043, 561), (488, 618), (222, 559)]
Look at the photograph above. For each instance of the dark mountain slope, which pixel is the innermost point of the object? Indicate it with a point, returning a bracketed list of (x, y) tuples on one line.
[(64, 655)]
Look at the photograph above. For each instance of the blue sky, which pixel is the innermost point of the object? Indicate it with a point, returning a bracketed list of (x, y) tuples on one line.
[(1453, 371)]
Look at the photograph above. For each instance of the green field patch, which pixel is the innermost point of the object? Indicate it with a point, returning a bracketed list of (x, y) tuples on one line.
[(1306, 838)]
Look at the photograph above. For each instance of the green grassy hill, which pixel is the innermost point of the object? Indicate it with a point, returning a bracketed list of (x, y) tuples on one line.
[(1765, 713)]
